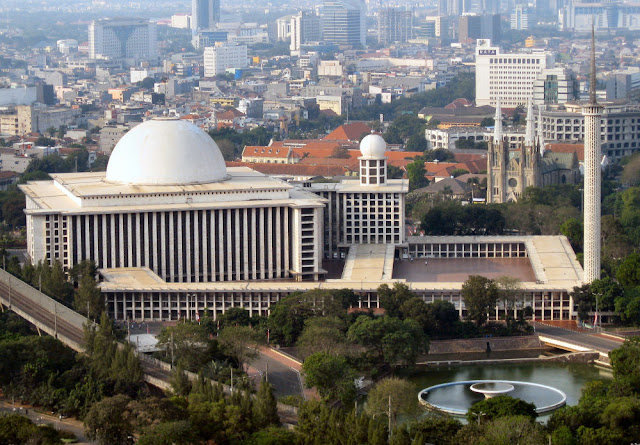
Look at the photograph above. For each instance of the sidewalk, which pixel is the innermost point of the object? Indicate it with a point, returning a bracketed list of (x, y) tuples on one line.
[(38, 417)]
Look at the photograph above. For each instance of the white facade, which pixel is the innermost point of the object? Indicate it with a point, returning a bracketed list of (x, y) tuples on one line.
[(191, 223), (122, 39), (507, 77), (219, 58), (182, 21)]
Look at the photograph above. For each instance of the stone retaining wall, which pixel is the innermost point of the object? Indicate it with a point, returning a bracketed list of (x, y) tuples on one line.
[(480, 344)]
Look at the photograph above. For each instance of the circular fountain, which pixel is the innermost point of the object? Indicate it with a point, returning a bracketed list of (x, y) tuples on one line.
[(492, 389), (457, 397)]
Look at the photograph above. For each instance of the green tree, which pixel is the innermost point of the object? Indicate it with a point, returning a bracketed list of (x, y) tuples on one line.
[(169, 433), (107, 423), (88, 298), (395, 397), (416, 174), (509, 293), (501, 406), (265, 407), (331, 375), (241, 343), (389, 340), (323, 334), (147, 83), (573, 230), (625, 362), (514, 429), (628, 273), (392, 299), (180, 384), (234, 316), (480, 295)]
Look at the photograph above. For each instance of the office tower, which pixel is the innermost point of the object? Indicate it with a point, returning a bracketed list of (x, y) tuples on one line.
[(204, 14), (122, 39), (394, 25), (523, 18), (219, 58), (592, 176), (344, 22), (305, 27), (508, 77)]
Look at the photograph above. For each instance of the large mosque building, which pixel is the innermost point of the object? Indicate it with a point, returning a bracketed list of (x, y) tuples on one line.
[(175, 232)]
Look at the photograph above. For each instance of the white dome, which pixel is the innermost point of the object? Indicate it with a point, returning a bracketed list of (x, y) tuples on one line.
[(373, 146), (166, 152)]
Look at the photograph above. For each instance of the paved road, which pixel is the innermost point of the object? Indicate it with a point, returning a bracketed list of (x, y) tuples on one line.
[(284, 379), (593, 341), (72, 425)]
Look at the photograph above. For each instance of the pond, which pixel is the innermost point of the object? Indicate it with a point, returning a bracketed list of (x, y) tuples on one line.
[(568, 377)]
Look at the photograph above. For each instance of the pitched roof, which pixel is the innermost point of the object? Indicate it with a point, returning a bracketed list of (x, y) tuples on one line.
[(258, 151), (349, 132), (455, 185), (578, 149)]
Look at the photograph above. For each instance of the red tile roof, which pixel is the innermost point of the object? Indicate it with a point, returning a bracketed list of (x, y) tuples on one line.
[(349, 132), (578, 149), (265, 152)]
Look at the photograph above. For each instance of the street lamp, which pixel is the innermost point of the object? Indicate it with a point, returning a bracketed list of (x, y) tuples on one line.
[(479, 416)]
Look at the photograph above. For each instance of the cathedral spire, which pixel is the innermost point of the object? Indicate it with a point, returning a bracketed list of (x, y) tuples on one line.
[(592, 81), (497, 128), (540, 132), (529, 132)]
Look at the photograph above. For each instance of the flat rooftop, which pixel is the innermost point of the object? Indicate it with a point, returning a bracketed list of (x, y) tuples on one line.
[(550, 265), (446, 270)]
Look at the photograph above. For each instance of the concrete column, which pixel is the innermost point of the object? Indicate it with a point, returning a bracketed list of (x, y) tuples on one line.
[(129, 236), (230, 252), (287, 242), (179, 249), (171, 249), (163, 244), (205, 247), (112, 240), (139, 243), (278, 270), (245, 244), (254, 244), (237, 254), (187, 250), (263, 256), (220, 248), (196, 249), (269, 256)]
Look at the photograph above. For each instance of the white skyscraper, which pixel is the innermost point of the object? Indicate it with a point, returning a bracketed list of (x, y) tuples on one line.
[(122, 39), (592, 177)]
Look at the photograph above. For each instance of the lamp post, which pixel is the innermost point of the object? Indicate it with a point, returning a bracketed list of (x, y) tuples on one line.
[(479, 416)]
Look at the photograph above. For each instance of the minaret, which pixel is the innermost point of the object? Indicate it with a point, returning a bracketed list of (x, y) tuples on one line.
[(592, 171)]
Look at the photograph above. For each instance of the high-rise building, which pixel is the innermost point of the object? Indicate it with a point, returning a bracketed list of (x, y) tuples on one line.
[(394, 25), (204, 14), (507, 77), (305, 28), (592, 176), (523, 18), (623, 83), (344, 22), (579, 15), (122, 39), (473, 27), (555, 86), (454, 7), (433, 26), (219, 58)]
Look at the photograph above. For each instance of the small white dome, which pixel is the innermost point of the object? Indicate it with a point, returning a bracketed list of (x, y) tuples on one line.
[(373, 146), (166, 152)]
